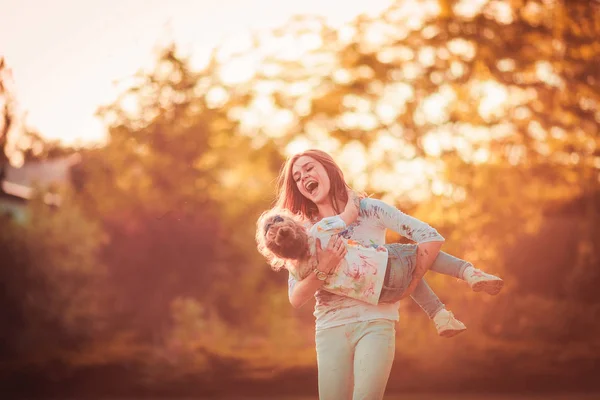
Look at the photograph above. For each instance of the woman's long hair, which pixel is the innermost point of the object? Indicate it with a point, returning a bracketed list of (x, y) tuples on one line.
[(290, 198)]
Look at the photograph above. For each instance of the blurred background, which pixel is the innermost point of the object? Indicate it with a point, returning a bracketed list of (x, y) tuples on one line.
[(140, 140)]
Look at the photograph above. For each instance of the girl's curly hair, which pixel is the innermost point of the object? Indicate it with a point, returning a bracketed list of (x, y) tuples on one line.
[(289, 248)]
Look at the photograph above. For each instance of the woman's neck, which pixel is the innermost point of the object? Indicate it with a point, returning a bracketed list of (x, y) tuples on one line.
[(327, 210)]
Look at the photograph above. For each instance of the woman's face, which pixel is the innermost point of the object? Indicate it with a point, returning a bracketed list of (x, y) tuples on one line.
[(311, 179)]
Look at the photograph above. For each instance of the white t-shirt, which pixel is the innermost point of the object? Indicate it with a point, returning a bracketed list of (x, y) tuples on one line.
[(374, 218)]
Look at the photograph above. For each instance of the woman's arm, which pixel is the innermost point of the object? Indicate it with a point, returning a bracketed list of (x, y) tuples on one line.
[(409, 227), (426, 255), (428, 239), (300, 292)]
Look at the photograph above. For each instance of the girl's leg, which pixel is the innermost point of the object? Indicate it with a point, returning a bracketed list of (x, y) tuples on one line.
[(402, 260), (445, 322), (449, 265), (461, 269), (375, 343), (401, 263), (443, 264), (427, 299), (334, 362)]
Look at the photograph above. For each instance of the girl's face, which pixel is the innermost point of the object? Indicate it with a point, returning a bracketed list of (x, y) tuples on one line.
[(311, 179)]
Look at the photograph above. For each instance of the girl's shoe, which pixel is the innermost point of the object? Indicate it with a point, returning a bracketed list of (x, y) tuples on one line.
[(481, 281), (447, 325)]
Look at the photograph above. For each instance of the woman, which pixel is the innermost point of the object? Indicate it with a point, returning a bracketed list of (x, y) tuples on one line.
[(355, 341)]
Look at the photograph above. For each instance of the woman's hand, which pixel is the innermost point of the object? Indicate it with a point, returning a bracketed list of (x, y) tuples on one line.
[(327, 261), (330, 258)]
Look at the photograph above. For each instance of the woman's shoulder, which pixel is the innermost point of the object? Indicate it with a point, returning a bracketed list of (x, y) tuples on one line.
[(378, 209), (369, 203)]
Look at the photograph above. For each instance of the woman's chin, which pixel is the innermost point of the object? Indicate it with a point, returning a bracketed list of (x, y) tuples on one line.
[(319, 198)]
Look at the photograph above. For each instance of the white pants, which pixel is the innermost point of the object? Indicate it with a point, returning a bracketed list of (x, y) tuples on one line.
[(355, 360)]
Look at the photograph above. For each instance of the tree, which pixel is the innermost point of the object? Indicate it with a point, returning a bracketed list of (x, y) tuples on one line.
[(167, 187), (472, 100), (49, 279), (7, 114)]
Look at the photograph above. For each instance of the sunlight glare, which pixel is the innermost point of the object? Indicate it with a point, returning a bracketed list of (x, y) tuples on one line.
[(303, 106), (240, 69), (411, 71), (383, 144), (64, 74), (377, 33), (438, 187), (481, 156), (432, 146), (536, 131), (279, 124), (411, 178), (438, 140), (348, 120), (493, 99), (457, 69), (506, 64), (545, 72), (346, 33), (342, 76), (462, 48), (469, 8), (297, 145), (357, 103), (353, 158), (129, 103), (500, 11), (386, 113), (435, 107), (216, 97), (367, 122), (427, 56), (310, 41)]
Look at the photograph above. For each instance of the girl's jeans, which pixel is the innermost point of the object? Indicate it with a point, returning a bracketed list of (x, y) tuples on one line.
[(401, 264), (355, 360)]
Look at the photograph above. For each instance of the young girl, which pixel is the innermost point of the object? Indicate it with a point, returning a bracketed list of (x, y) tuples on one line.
[(373, 273)]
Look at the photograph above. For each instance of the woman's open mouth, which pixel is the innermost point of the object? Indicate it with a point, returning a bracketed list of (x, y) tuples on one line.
[(311, 187)]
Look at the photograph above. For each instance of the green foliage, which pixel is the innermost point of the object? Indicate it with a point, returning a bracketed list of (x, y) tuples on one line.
[(49, 271)]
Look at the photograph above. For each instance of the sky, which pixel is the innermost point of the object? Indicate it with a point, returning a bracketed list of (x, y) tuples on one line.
[(65, 55)]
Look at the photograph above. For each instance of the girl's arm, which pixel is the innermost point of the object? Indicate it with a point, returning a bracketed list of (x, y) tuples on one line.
[(300, 292), (339, 222)]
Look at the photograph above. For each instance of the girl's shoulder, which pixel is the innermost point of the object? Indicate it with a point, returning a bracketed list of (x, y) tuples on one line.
[(307, 223)]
